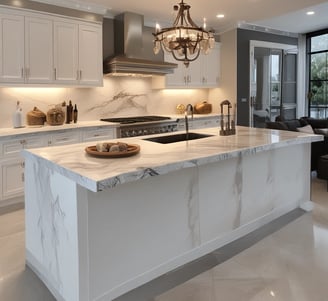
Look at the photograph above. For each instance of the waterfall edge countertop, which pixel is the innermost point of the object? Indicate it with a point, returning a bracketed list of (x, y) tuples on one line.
[(97, 174)]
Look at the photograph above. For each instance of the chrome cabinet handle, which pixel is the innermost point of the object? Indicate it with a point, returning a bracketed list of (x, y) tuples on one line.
[(55, 73)]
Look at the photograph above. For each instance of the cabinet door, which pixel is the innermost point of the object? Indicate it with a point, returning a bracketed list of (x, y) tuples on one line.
[(38, 50), (11, 48), (211, 67), (178, 77), (66, 52), (194, 75), (90, 55), (12, 172)]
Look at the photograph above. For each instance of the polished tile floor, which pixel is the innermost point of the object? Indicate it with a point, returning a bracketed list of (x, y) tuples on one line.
[(289, 264)]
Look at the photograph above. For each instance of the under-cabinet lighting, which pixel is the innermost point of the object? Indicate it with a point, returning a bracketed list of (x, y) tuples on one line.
[(220, 16), (33, 90), (310, 13), (182, 92), (17, 3)]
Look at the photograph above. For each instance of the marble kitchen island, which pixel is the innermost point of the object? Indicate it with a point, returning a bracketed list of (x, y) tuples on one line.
[(97, 228)]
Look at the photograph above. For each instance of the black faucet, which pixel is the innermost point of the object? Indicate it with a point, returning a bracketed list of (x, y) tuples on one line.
[(189, 109)]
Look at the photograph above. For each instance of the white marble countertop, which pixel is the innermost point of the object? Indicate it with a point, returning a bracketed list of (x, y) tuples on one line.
[(196, 116), (97, 174), (11, 132), (27, 130)]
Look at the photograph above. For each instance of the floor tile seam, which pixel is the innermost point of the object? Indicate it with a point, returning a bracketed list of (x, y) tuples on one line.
[(12, 234), (13, 272)]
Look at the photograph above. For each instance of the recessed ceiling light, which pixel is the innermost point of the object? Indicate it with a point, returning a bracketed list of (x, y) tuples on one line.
[(309, 13), (220, 16)]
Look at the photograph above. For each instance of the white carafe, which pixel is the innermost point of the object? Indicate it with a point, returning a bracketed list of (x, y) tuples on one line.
[(18, 117)]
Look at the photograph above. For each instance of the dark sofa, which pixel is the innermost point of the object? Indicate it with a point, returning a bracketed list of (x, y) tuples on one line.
[(319, 126)]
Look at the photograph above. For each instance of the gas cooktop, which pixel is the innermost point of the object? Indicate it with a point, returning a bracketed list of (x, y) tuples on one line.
[(135, 119)]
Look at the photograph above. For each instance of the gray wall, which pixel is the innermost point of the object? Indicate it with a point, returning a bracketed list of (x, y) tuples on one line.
[(243, 38), (108, 38)]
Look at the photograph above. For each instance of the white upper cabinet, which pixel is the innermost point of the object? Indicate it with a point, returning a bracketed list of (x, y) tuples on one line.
[(90, 55), (211, 67), (183, 76), (78, 53), (204, 72), (11, 48), (178, 77), (66, 61), (38, 48)]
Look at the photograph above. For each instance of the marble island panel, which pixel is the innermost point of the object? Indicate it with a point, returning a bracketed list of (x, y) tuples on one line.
[(97, 174), (166, 206)]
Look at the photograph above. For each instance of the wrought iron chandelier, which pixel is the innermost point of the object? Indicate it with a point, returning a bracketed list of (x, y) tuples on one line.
[(185, 40)]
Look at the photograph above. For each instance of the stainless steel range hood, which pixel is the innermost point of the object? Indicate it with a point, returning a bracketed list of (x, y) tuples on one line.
[(134, 49)]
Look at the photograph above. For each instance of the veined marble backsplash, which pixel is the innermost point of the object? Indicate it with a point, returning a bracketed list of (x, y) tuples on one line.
[(118, 97)]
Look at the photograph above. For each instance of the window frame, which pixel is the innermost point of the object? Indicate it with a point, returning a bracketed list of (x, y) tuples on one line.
[(309, 36)]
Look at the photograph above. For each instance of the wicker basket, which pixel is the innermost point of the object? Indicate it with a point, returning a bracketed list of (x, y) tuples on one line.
[(56, 116), (35, 117), (203, 108)]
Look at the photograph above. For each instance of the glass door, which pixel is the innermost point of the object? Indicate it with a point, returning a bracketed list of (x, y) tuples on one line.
[(289, 85), (272, 83)]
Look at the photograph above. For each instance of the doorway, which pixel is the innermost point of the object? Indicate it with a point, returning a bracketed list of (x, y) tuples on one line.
[(273, 82)]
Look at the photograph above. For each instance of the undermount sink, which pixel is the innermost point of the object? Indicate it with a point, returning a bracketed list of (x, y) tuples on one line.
[(177, 138)]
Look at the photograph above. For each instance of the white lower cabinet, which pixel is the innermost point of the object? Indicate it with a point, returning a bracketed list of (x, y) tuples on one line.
[(206, 123), (12, 164), (12, 172), (199, 122), (63, 138), (98, 134), (13, 147)]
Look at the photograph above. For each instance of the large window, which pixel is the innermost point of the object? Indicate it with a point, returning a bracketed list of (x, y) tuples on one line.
[(317, 45)]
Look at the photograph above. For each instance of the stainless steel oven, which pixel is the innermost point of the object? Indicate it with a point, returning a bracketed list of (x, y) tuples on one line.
[(143, 125)]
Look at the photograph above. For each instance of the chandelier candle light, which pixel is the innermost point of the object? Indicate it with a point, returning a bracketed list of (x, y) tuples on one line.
[(185, 40)]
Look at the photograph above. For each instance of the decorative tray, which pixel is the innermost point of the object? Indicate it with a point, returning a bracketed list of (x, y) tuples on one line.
[(132, 149)]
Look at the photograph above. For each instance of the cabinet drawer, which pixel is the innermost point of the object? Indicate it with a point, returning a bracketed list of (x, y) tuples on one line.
[(198, 124), (63, 138), (207, 123), (13, 147), (98, 134)]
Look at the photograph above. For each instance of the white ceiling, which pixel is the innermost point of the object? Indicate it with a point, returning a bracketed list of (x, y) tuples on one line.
[(284, 15)]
